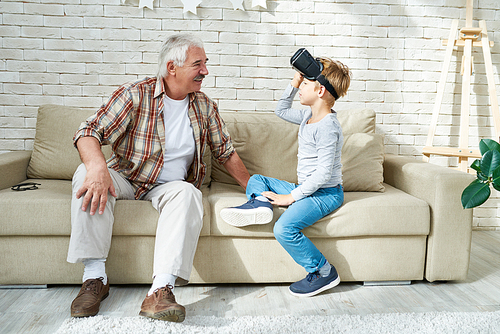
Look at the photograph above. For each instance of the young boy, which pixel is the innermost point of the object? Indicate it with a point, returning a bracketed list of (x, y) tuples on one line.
[(319, 173)]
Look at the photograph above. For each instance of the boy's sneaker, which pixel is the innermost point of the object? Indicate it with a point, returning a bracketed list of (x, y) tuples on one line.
[(251, 213), (314, 283)]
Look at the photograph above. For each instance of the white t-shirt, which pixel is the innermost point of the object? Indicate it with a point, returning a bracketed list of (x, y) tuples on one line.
[(179, 146)]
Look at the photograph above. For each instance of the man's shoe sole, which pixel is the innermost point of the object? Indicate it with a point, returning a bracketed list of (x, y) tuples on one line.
[(332, 284), (245, 217), (173, 315), (89, 314)]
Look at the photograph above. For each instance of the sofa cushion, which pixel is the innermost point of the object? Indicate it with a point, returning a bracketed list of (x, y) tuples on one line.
[(265, 143), (356, 120), (46, 211), (363, 214), (362, 162), (54, 156)]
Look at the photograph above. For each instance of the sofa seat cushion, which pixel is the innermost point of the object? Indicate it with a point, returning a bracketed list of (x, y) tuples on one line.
[(46, 211), (389, 213)]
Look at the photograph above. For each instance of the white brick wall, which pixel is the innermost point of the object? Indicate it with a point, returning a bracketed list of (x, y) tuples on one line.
[(76, 52)]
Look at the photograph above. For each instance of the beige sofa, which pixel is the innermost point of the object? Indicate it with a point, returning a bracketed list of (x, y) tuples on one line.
[(401, 220)]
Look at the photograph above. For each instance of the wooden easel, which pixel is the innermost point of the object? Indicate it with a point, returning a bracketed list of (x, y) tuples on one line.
[(468, 38)]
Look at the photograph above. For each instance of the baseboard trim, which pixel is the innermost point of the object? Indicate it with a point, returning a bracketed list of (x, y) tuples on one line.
[(384, 283), (23, 286)]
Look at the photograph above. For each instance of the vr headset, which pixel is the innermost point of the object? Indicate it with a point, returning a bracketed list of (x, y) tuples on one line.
[(311, 68)]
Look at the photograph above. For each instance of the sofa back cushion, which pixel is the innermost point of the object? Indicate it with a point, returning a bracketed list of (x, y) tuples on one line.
[(357, 120), (362, 162), (54, 156), (268, 145)]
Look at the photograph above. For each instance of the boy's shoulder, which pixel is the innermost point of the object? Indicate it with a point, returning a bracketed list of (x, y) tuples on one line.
[(330, 123)]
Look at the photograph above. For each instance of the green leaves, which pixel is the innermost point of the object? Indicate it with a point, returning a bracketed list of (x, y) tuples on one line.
[(488, 173), (486, 145), (475, 194)]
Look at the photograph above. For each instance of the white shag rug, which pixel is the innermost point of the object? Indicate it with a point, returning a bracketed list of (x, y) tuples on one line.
[(400, 323)]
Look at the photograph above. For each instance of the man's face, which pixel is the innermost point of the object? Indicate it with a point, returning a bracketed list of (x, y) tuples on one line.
[(189, 77)]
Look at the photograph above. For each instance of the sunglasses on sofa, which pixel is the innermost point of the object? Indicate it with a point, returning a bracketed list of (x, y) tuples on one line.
[(25, 186)]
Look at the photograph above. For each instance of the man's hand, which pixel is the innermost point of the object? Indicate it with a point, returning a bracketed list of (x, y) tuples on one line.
[(97, 181), (280, 200), (96, 185)]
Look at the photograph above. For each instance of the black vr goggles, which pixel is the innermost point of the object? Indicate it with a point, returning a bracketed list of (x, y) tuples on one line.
[(311, 68)]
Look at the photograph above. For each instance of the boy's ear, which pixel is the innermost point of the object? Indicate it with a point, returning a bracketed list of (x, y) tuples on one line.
[(321, 91)]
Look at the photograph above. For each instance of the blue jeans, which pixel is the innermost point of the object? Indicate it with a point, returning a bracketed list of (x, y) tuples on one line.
[(299, 215)]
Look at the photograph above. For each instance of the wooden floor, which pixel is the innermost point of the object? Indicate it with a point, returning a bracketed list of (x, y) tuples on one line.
[(44, 310)]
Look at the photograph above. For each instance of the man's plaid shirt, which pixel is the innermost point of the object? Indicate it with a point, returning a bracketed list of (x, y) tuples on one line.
[(132, 123)]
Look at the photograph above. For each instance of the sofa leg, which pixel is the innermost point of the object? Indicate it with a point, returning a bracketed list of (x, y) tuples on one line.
[(23, 286), (383, 283)]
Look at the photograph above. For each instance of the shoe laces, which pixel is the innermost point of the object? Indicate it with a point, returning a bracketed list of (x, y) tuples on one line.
[(166, 290), (91, 285), (312, 276)]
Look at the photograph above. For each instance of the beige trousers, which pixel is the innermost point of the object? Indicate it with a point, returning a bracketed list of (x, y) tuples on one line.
[(181, 211)]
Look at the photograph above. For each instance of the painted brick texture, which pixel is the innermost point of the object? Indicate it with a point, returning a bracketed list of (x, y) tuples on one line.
[(76, 52)]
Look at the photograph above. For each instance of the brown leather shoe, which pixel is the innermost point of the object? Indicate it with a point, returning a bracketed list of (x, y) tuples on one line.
[(89, 298), (161, 305)]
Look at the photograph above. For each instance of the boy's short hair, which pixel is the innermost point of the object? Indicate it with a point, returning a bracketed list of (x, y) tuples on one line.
[(338, 75)]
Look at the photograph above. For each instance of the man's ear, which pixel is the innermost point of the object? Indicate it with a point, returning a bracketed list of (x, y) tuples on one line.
[(171, 68)]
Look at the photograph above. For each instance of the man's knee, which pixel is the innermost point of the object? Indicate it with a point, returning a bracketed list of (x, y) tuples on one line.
[(179, 193), (79, 175), (186, 190)]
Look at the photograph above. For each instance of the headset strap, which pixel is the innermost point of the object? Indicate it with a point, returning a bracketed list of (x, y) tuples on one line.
[(322, 80)]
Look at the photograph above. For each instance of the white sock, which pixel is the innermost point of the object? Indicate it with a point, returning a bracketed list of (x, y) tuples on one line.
[(161, 281), (325, 270), (95, 268), (262, 199)]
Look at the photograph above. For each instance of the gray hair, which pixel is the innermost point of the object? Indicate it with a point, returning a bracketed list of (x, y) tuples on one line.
[(175, 49)]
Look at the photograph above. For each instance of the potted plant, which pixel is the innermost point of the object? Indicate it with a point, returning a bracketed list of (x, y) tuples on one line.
[(488, 174)]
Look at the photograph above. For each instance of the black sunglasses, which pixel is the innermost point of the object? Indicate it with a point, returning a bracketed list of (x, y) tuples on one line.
[(25, 186)]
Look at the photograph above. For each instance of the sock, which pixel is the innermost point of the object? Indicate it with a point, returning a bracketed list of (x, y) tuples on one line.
[(95, 268), (162, 280), (262, 199), (325, 270)]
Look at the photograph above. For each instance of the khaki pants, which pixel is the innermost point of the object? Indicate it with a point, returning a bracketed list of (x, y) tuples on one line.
[(179, 205)]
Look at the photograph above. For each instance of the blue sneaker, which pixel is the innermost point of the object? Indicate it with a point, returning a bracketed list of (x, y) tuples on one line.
[(252, 212), (314, 283)]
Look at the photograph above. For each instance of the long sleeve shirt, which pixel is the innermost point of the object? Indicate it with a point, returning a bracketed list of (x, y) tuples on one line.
[(320, 146)]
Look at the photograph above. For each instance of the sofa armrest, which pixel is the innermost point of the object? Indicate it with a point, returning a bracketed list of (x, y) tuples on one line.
[(449, 240), (13, 166)]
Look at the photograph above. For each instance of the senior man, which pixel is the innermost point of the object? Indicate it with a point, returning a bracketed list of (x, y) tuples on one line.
[(158, 129)]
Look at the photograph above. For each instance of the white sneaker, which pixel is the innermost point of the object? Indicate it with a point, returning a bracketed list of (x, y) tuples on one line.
[(253, 212)]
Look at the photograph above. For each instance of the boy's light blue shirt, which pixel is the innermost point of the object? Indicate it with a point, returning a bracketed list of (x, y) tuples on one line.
[(320, 146)]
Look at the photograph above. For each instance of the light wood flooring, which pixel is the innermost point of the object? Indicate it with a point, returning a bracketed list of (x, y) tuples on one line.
[(44, 310)]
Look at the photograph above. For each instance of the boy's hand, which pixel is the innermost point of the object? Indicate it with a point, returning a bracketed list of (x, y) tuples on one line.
[(297, 80), (280, 200)]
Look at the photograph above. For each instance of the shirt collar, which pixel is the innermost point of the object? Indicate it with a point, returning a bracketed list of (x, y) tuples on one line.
[(160, 89)]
